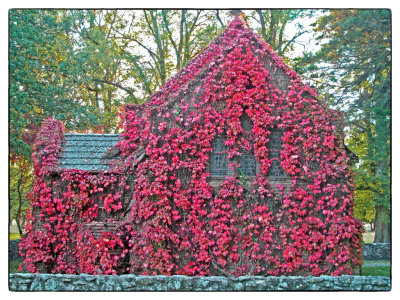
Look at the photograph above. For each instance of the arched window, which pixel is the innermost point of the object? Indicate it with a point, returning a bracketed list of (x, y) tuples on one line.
[(274, 146), (218, 158)]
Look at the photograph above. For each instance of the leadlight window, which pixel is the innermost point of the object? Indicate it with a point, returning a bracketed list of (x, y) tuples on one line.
[(248, 163), (218, 158), (274, 146)]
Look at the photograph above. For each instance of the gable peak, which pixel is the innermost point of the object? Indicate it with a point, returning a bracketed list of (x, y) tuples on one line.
[(236, 12)]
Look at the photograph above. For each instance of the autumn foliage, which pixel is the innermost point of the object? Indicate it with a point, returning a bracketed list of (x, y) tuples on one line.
[(170, 219)]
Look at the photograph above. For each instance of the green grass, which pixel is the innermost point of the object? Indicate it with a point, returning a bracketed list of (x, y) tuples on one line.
[(375, 271), (14, 236), (377, 262)]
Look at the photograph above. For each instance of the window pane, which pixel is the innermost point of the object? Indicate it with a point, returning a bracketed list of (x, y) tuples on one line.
[(248, 163), (274, 146), (218, 158)]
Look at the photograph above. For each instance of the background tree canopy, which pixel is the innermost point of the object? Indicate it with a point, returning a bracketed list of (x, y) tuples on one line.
[(80, 66)]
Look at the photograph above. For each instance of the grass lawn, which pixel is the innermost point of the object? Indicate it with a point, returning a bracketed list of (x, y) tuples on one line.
[(14, 236), (375, 271)]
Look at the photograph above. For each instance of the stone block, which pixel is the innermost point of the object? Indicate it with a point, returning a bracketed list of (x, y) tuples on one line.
[(37, 285), (53, 284)]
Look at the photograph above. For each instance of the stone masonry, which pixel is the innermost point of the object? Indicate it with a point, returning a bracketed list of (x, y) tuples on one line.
[(13, 250), (377, 251), (83, 282)]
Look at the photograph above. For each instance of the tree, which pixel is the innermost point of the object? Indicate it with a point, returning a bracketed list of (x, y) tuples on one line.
[(20, 184), (272, 26), (158, 43), (101, 65), (353, 69)]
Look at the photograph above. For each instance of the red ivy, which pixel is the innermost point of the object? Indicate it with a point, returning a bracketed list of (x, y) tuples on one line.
[(179, 224)]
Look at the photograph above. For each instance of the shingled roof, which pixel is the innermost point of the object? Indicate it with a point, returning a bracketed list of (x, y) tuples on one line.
[(87, 151)]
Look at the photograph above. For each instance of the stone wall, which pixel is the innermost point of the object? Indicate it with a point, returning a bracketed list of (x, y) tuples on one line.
[(83, 282), (377, 251), (13, 250)]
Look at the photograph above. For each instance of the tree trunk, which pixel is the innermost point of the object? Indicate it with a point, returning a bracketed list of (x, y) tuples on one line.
[(20, 202), (20, 230), (382, 225)]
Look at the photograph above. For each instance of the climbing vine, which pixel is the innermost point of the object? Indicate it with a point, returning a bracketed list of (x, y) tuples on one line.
[(170, 219)]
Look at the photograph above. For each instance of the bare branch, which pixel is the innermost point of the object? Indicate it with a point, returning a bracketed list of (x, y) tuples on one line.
[(292, 40), (128, 90), (219, 19)]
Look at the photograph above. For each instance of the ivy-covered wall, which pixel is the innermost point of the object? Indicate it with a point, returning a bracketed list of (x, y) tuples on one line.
[(166, 216), (51, 282)]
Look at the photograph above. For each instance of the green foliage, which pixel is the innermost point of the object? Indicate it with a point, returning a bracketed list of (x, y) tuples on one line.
[(365, 206), (43, 75)]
